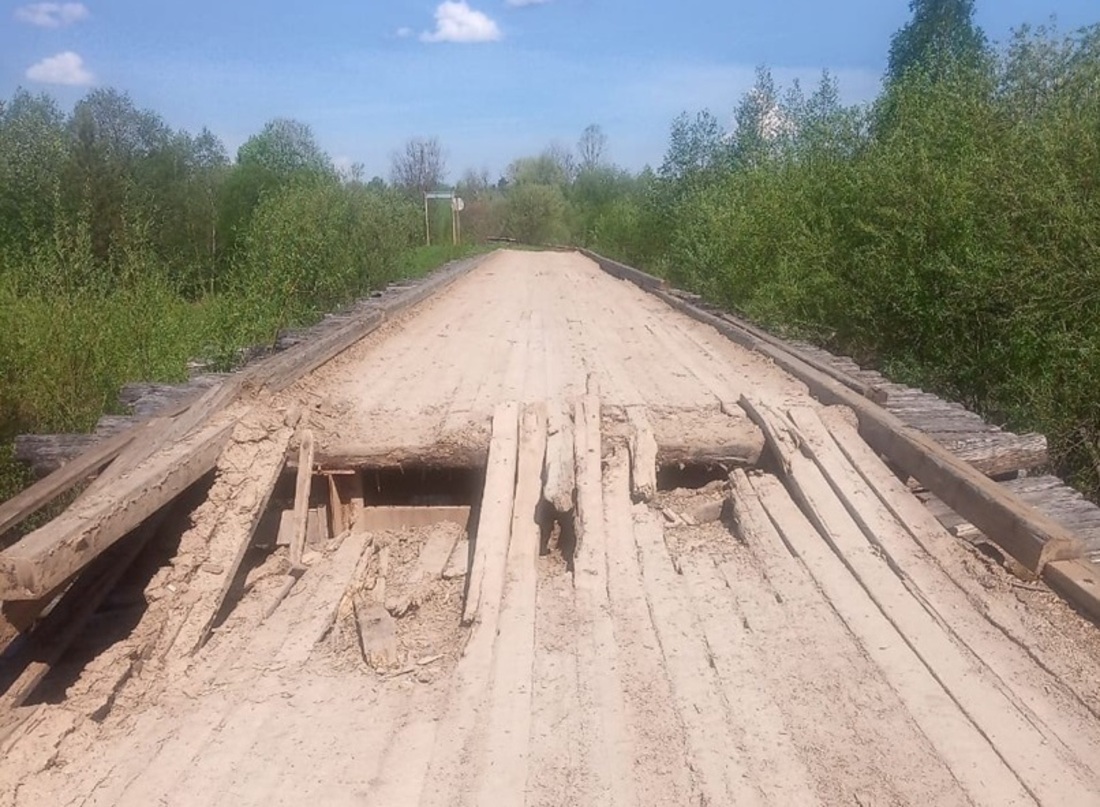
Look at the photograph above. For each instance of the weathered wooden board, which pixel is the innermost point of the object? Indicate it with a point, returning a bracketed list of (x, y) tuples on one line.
[(43, 559), (495, 523)]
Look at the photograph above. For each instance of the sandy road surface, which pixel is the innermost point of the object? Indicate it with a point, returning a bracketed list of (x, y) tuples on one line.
[(842, 650)]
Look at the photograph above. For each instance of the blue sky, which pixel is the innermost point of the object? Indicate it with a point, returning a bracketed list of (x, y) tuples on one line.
[(493, 79)]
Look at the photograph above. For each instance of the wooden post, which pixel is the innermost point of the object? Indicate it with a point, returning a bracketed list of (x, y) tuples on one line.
[(427, 222), (301, 499)]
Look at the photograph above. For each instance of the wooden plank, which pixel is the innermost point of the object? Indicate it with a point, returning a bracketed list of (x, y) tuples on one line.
[(45, 490), (1030, 537), (851, 518), (41, 561), (559, 473), (871, 392), (68, 619), (624, 272), (957, 740), (1079, 582), (643, 455), (377, 519), (508, 718), (337, 506), (317, 528), (302, 487), (494, 524)]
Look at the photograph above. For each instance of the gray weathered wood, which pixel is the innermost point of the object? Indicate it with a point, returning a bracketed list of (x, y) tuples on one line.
[(46, 557), (301, 499)]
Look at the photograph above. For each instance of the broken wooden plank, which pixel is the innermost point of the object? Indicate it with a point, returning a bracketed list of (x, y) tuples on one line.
[(301, 498), (68, 619), (558, 488), (1027, 535), (589, 554), (46, 557), (494, 525), (250, 469), (508, 718), (643, 455)]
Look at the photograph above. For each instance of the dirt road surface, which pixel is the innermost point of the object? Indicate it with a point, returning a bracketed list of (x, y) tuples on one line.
[(799, 632)]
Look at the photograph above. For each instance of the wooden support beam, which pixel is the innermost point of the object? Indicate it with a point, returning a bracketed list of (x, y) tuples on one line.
[(494, 525), (302, 488), (48, 556)]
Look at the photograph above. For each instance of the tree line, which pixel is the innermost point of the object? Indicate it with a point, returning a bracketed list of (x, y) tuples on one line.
[(948, 231)]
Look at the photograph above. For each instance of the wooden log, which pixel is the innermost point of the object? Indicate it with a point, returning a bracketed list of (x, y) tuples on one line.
[(302, 487), (643, 455), (733, 450), (35, 565), (494, 525)]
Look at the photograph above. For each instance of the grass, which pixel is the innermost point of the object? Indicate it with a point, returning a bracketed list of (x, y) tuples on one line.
[(72, 354)]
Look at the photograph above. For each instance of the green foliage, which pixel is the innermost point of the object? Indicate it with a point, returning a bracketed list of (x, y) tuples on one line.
[(128, 250), (536, 214), (941, 33), (959, 245)]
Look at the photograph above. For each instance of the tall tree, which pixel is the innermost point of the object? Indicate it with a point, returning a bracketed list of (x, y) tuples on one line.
[(285, 147), (591, 148), (420, 166), (759, 120), (941, 32)]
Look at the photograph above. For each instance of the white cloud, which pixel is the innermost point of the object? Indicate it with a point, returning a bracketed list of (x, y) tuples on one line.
[(523, 3), (64, 68), (455, 21), (404, 33), (52, 15)]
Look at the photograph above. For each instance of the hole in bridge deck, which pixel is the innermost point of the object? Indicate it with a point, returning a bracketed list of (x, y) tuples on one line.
[(690, 476)]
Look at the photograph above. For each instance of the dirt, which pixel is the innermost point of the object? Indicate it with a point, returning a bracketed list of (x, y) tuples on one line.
[(698, 655)]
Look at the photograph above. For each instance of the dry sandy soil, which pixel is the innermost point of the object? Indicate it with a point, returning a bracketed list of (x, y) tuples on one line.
[(798, 649)]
